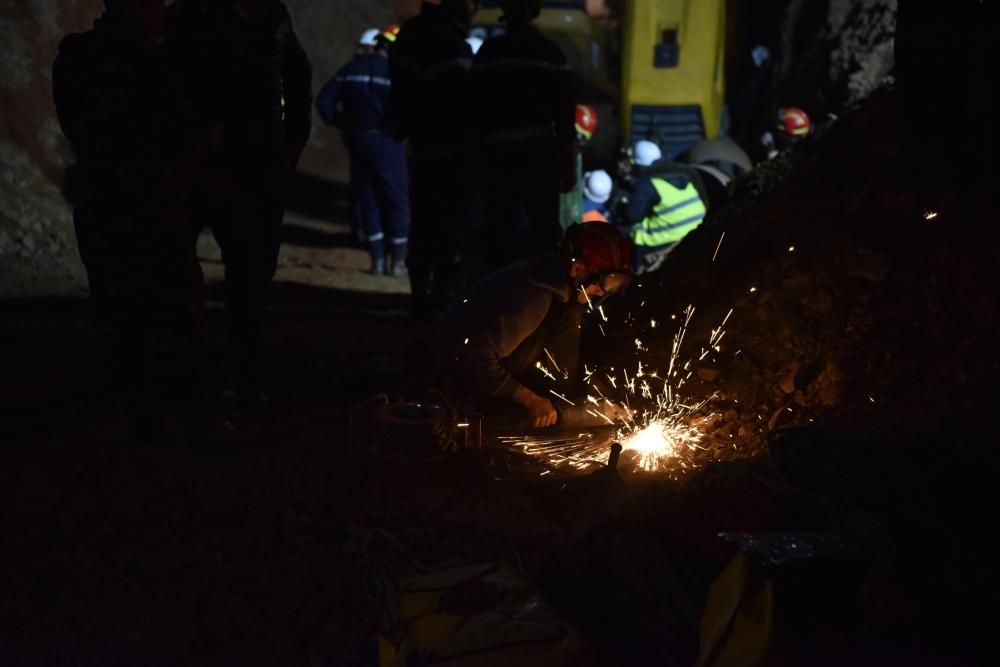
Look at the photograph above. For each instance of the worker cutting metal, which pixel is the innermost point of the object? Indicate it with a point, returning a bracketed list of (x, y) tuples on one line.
[(514, 340)]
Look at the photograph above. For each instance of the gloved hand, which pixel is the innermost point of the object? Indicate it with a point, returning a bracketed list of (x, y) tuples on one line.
[(541, 412)]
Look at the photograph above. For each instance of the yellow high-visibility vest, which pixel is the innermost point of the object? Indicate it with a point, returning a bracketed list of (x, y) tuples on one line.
[(678, 212)]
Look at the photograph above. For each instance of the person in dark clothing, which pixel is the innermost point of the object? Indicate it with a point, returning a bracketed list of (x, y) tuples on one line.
[(250, 77), (528, 313), (526, 120), (430, 106), (355, 100), (136, 145)]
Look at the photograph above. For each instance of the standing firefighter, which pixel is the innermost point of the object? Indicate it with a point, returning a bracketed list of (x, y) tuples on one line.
[(429, 67), (528, 313), (134, 148), (356, 100), (665, 202), (251, 78), (525, 92)]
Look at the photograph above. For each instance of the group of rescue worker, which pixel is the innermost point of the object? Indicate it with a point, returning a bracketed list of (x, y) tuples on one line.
[(180, 118), (194, 116)]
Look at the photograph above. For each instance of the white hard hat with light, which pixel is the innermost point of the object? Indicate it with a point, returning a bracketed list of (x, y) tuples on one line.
[(645, 153), (597, 186)]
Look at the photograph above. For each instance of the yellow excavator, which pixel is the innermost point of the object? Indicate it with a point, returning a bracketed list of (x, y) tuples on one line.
[(672, 84), (673, 76)]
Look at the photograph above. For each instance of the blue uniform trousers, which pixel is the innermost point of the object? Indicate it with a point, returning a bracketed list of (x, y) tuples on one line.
[(380, 193)]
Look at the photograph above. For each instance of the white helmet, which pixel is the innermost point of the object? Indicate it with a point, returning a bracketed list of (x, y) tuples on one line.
[(645, 153), (597, 186), (369, 37), (474, 43)]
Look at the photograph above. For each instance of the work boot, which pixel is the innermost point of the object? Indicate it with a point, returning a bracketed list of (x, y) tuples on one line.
[(378, 267), (397, 270)]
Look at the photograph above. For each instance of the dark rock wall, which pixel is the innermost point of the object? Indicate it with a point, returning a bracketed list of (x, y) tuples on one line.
[(34, 220), (832, 53)]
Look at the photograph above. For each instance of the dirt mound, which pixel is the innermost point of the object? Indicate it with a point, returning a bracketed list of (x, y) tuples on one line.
[(851, 306)]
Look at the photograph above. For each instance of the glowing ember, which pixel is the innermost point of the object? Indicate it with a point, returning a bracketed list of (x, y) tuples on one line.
[(652, 444)]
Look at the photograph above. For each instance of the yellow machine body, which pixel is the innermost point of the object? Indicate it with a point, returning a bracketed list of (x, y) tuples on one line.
[(673, 78)]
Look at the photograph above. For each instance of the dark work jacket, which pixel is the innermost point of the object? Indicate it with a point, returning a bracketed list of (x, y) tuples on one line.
[(500, 312), (250, 76), (356, 99), (130, 129), (429, 66), (524, 89)]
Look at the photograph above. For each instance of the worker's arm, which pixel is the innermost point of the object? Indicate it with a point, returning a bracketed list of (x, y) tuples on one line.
[(329, 98), (491, 339), (296, 88), (640, 203)]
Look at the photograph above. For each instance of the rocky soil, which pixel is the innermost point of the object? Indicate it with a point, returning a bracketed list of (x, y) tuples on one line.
[(852, 306)]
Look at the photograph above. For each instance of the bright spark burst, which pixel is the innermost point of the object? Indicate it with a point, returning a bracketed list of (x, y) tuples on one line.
[(930, 215), (663, 436)]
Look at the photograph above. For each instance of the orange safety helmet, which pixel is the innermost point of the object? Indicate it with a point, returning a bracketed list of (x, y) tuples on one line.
[(586, 121), (594, 215), (390, 32), (794, 122)]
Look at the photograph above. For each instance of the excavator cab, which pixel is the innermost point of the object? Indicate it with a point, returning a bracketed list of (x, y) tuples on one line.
[(673, 78)]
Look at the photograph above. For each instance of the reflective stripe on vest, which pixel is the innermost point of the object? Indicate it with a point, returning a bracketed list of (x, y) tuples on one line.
[(678, 212)]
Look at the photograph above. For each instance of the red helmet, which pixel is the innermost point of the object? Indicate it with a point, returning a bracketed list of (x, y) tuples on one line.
[(603, 248), (794, 122), (390, 32), (586, 120)]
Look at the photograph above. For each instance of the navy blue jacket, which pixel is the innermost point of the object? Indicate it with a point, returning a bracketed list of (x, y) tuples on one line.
[(356, 99)]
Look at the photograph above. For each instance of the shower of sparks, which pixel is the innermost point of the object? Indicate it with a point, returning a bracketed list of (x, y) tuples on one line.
[(930, 215), (661, 436), (558, 395), (552, 359), (716, 253), (545, 371)]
